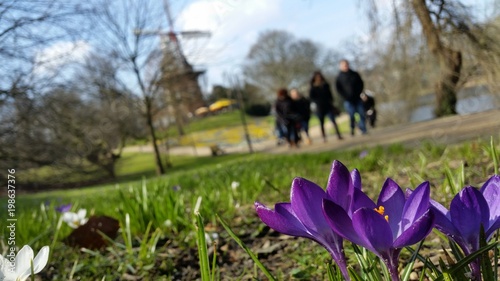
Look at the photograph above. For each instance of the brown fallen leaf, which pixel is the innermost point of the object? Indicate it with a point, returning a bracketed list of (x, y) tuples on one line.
[(90, 235)]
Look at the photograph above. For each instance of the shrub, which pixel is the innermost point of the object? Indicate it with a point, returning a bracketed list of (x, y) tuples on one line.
[(258, 109)]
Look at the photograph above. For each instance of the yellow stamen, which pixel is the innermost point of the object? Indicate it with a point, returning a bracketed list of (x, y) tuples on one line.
[(381, 211)]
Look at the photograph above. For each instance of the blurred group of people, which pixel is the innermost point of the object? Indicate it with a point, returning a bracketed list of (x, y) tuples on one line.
[(293, 110)]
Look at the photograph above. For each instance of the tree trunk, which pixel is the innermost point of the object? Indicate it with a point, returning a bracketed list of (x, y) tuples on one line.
[(450, 61), (160, 170), (110, 169)]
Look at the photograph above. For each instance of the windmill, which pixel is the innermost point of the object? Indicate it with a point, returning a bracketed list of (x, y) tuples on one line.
[(182, 90)]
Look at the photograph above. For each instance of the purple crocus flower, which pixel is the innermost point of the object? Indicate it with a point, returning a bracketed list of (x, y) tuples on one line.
[(470, 209), (386, 227), (363, 154), (303, 216), (64, 208)]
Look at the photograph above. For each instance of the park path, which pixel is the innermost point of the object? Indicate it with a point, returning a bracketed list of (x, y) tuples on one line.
[(444, 130)]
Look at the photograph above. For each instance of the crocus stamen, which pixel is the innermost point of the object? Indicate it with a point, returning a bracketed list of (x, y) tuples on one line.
[(381, 211)]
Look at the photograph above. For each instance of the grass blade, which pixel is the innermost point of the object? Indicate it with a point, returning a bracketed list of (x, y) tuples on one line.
[(494, 155), (405, 276), (202, 249), (244, 247)]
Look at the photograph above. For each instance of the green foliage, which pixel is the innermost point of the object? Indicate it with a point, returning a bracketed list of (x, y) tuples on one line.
[(160, 214), (258, 110), (202, 248), (216, 121)]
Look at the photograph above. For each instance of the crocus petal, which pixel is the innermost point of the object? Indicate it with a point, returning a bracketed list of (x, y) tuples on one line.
[(70, 219), (340, 222), (23, 262), (340, 187), (417, 231), (64, 208), (416, 205), (373, 229), (356, 179), (491, 192), (306, 198), (3, 264), (5, 269), (442, 219), (361, 200), (82, 213), (468, 210), (392, 198), (68, 216), (282, 219), (492, 229), (41, 259)]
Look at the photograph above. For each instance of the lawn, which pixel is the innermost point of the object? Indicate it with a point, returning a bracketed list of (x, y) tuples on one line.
[(226, 129), (158, 238), (216, 121)]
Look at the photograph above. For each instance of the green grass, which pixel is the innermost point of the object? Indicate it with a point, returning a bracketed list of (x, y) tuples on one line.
[(221, 120), (158, 212)]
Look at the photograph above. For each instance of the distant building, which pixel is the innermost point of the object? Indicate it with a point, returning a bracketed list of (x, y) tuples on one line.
[(180, 80), (182, 92)]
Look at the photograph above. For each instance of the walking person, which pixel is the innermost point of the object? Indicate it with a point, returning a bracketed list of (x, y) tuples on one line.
[(321, 95), (350, 86), (286, 117), (279, 131), (303, 109)]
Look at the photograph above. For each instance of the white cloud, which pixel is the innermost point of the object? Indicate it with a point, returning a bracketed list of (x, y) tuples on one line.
[(50, 60), (234, 27), (236, 24)]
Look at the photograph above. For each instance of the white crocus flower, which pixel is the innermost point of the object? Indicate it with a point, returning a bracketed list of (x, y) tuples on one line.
[(74, 220), (235, 185), (21, 269)]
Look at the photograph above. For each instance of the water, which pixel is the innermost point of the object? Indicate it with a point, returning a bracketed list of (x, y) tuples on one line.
[(470, 100)]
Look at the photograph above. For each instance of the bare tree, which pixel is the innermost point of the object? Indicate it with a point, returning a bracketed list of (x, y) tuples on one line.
[(140, 56), (86, 131), (116, 113), (448, 27), (278, 59), (26, 27)]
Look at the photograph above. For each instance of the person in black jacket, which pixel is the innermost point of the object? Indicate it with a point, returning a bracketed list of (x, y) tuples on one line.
[(321, 95), (350, 86), (286, 116), (303, 109)]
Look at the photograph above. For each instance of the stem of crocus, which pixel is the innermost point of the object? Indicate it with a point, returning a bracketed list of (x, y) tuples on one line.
[(340, 260), (335, 247), (476, 269), (392, 262)]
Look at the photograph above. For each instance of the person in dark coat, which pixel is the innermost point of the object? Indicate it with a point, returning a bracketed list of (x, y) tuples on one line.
[(350, 86), (303, 109), (321, 95), (286, 116), (369, 106)]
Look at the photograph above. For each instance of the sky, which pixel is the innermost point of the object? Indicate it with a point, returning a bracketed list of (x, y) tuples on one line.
[(235, 25)]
